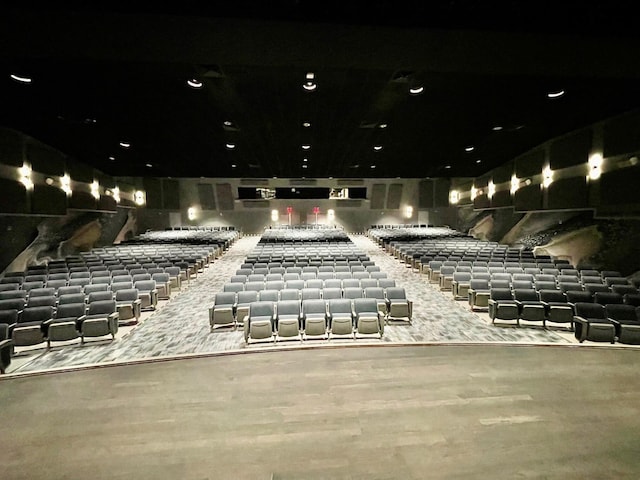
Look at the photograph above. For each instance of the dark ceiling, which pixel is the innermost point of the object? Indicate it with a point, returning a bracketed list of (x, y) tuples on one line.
[(118, 73)]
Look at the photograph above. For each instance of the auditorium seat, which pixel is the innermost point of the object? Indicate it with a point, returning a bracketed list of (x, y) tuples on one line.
[(531, 308), (479, 293), (30, 327), (259, 321), (591, 323), (626, 322), (341, 317), (557, 308), (398, 305), (100, 320), (368, 320), (502, 305), (6, 348), (64, 325), (222, 312), (288, 320), (128, 305)]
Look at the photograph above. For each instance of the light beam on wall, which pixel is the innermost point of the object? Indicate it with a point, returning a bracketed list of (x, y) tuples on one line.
[(595, 166)]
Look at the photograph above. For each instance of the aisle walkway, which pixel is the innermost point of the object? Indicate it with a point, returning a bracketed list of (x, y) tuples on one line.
[(181, 325)]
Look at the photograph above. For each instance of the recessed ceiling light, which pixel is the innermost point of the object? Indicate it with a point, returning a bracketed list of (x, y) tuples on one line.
[(556, 94), (447, 166), (194, 83), (469, 148), (227, 123), (497, 128), (21, 79), (306, 124), (112, 158), (125, 144), (478, 161), (306, 147), (377, 148), (230, 146), (304, 165), (416, 90), (372, 166), (233, 165), (310, 76), (305, 160), (310, 86), (382, 125), (148, 165)]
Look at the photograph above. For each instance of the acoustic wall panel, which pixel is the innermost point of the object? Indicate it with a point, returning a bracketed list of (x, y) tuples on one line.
[(48, 200), (502, 180), (568, 193), (571, 150), (13, 197), (378, 194), (79, 172), (170, 194), (620, 187), (225, 197), (45, 160), (530, 164), (528, 198), (11, 147), (205, 196), (394, 196), (441, 188), (81, 200), (153, 191), (425, 194), (621, 135)]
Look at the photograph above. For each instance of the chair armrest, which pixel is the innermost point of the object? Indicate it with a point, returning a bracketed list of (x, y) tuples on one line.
[(579, 319)]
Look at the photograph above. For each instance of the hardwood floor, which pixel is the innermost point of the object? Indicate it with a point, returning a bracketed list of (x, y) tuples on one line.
[(383, 412)]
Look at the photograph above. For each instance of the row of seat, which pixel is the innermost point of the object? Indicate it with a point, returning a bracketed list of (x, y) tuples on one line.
[(278, 285), (312, 319), (230, 306)]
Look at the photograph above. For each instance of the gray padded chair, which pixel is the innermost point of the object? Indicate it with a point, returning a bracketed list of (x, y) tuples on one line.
[(341, 317), (314, 318), (368, 320), (288, 320), (398, 305), (223, 311), (64, 325), (503, 306), (243, 300), (557, 308), (626, 322), (6, 348), (460, 285), (30, 327), (163, 284), (101, 319), (128, 305), (260, 321), (147, 293), (591, 323)]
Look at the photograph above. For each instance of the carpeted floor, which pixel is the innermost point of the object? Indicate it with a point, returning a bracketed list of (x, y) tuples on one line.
[(180, 326)]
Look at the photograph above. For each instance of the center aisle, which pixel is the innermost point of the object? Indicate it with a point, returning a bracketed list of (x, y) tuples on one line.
[(181, 326)]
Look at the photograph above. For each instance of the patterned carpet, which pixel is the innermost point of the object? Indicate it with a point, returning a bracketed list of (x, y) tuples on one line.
[(180, 326)]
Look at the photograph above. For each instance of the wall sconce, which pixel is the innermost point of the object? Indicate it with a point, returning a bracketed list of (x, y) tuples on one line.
[(116, 194), (515, 184), (274, 215), (331, 214), (65, 184), (454, 197), (547, 176), (491, 189), (191, 213), (408, 212), (25, 176), (95, 190), (139, 198), (595, 166), (474, 193)]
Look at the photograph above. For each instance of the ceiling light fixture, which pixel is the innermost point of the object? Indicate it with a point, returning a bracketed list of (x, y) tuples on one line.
[(304, 165), (230, 146), (125, 144), (306, 147), (416, 90), (447, 167), (227, 123), (556, 94), (233, 165), (383, 125), (306, 124), (194, 83), (478, 161), (377, 148), (470, 148), (497, 128), (112, 158), (372, 166), (20, 79), (309, 85), (148, 165)]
